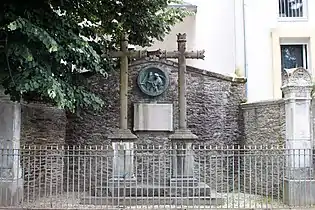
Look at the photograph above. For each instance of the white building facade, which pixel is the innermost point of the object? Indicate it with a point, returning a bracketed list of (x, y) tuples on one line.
[(256, 37), (279, 34)]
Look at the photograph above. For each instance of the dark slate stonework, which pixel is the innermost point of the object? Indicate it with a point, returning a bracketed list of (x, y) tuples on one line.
[(264, 127), (213, 107), (43, 132), (213, 115), (42, 125), (264, 123)]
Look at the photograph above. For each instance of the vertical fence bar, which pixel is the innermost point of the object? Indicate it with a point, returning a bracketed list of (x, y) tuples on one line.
[(84, 170), (62, 173), (73, 158), (95, 156), (67, 152), (77, 155), (239, 174), (99, 193), (208, 157), (272, 173), (90, 171), (34, 173), (28, 174), (244, 174)]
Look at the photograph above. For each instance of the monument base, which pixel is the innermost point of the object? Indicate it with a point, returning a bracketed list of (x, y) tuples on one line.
[(122, 135), (184, 182), (299, 192), (11, 192), (183, 135), (152, 201), (138, 194)]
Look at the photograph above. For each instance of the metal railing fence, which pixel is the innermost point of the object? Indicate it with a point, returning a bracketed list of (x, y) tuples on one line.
[(229, 177)]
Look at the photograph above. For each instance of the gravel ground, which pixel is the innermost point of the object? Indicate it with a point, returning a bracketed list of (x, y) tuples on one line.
[(232, 201)]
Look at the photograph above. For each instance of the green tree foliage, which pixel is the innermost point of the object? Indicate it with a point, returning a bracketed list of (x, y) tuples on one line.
[(45, 45)]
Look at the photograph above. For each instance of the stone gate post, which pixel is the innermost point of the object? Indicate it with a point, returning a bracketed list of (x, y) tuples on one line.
[(11, 181), (299, 183)]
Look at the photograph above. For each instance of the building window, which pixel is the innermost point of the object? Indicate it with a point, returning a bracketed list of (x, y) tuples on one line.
[(292, 9), (294, 56)]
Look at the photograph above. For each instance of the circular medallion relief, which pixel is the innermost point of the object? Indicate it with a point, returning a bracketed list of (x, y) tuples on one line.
[(153, 81)]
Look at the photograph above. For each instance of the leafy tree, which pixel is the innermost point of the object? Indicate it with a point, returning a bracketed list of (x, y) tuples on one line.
[(45, 44)]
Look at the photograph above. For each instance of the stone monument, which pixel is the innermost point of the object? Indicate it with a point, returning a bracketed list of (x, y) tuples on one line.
[(123, 139), (183, 163), (11, 181), (152, 82), (299, 183), (149, 116)]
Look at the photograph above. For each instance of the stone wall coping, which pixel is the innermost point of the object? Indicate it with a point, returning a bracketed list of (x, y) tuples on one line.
[(261, 103), (192, 69)]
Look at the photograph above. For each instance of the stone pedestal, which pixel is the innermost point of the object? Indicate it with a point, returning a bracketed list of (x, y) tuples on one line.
[(299, 192), (299, 184), (123, 159), (11, 182), (183, 159)]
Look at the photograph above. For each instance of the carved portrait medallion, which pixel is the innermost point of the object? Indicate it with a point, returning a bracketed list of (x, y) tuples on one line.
[(153, 81)]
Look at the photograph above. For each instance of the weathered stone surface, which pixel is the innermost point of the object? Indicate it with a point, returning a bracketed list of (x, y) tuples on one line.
[(264, 123), (42, 125), (213, 114), (213, 106), (11, 184), (264, 128), (42, 139), (153, 117)]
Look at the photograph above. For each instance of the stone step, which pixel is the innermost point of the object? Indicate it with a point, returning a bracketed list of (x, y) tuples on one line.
[(152, 191), (149, 201)]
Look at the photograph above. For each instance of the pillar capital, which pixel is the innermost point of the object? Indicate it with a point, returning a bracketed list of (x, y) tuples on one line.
[(296, 84), (297, 88)]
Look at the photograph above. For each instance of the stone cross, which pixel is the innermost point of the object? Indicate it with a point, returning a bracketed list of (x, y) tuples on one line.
[(181, 54), (183, 164), (299, 183), (124, 133), (123, 138)]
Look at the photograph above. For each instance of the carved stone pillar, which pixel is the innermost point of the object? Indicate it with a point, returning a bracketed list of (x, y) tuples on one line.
[(299, 183), (122, 139), (11, 181), (183, 160)]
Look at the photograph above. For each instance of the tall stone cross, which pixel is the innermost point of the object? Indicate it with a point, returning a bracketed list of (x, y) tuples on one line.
[(123, 139), (183, 161), (181, 54), (124, 133)]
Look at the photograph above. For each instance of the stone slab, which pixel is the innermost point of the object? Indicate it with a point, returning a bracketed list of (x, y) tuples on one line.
[(299, 192), (148, 201), (153, 190), (11, 192), (153, 117)]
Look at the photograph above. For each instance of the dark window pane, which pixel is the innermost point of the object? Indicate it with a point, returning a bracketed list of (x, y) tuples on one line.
[(291, 56), (291, 8)]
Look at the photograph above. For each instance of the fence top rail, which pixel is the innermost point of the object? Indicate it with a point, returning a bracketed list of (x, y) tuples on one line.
[(139, 148)]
